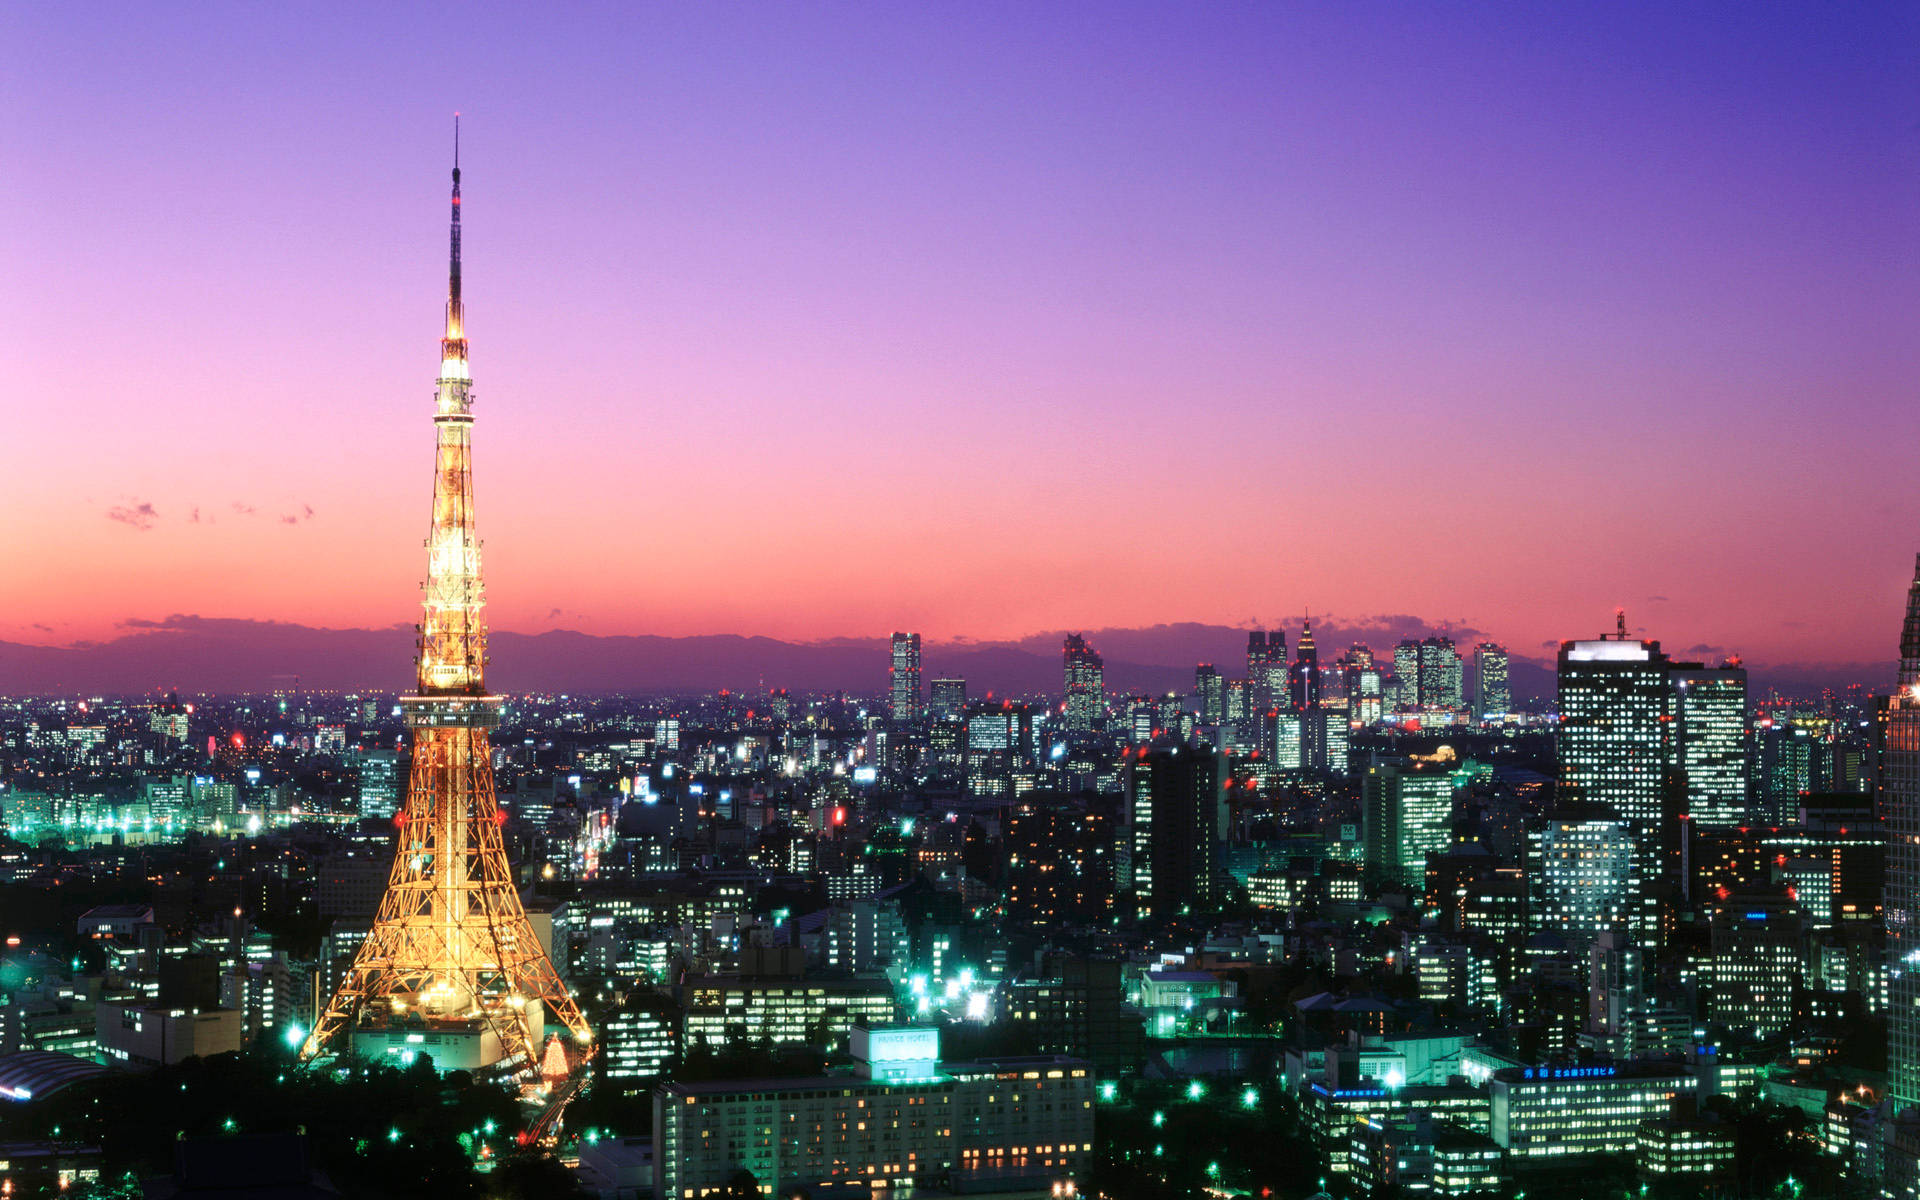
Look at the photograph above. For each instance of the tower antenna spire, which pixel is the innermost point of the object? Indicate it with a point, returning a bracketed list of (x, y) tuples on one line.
[(453, 345)]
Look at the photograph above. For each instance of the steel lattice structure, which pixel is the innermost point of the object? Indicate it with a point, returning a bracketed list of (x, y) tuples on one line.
[(451, 947)]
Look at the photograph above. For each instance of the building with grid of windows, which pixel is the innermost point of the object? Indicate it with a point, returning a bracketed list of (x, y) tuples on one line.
[(726, 1008), (1670, 1146), (1406, 818), (1583, 869), (1540, 1113), (1710, 741), (903, 678), (905, 1119)]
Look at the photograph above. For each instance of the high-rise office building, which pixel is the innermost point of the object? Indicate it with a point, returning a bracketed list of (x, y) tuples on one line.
[(1783, 769), (1406, 818), (1900, 804), (1616, 750), (1365, 703), (1710, 741), (1176, 817), (1289, 747), (1304, 678), (1759, 959), (1492, 698), (379, 783), (947, 698), (1085, 677), (1613, 729), (1406, 676), (1440, 677), (904, 677), (1210, 694), (1266, 670), (1583, 869)]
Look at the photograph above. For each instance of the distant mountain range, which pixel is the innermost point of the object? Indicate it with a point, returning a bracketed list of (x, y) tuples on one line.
[(205, 654)]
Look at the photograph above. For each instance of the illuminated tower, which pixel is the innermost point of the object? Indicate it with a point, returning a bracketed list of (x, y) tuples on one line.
[(452, 965), (1900, 801)]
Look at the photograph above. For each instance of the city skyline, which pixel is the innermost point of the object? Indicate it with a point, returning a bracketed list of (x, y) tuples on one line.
[(818, 266)]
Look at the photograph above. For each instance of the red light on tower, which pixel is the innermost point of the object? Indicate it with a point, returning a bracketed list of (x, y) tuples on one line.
[(839, 816)]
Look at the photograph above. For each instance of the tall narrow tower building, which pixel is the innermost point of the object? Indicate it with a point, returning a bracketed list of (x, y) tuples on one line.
[(1900, 801), (903, 677), (452, 966)]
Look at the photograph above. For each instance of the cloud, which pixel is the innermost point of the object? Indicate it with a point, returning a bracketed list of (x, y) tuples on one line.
[(245, 510), (193, 517), (1656, 600), (552, 613), (43, 628), (289, 520), (305, 514), (1704, 648), (140, 516)]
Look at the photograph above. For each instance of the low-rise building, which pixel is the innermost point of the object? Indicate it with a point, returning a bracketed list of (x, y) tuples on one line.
[(1563, 1112), (142, 1035), (1696, 1149), (906, 1119)]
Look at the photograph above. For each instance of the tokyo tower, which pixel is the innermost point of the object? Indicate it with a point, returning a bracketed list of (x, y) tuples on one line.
[(452, 967)]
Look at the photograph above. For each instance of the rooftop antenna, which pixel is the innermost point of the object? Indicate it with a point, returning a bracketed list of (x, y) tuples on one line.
[(1620, 622)]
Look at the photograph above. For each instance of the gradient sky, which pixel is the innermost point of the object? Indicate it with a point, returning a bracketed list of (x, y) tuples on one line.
[(816, 320)]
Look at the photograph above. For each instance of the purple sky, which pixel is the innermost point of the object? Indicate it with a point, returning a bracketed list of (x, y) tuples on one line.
[(818, 320)]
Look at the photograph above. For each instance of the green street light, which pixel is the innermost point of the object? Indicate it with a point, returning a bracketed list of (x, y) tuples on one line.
[(1196, 1089), (1109, 1090), (1250, 1098), (1159, 1119)]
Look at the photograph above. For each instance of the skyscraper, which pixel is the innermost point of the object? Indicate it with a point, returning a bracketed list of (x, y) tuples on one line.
[(1710, 745), (1583, 867), (1365, 704), (1304, 680), (904, 677), (1406, 676), (1210, 694), (1085, 674), (451, 954), (1266, 670), (1406, 818), (1616, 751), (1900, 802), (1176, 817), (1491, 696), (1440, 682), (1613, 732), (948, 698)]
